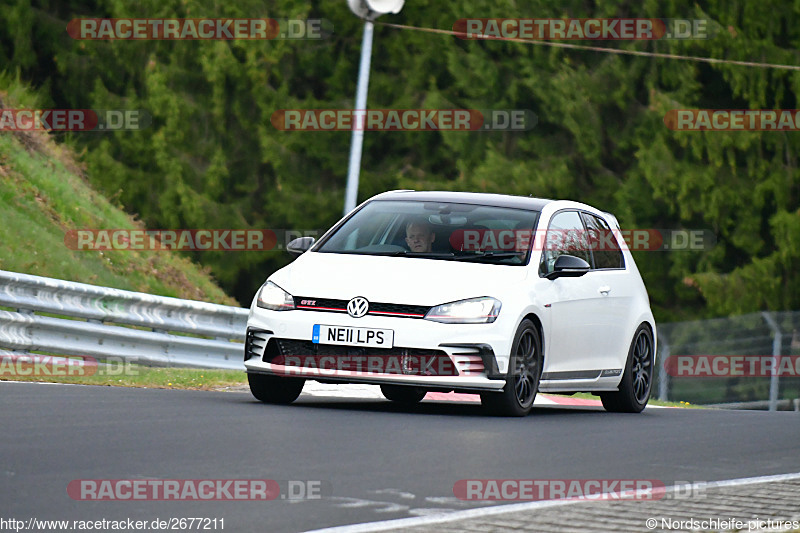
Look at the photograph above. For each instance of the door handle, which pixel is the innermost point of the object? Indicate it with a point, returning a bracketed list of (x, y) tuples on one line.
[(605, 289)]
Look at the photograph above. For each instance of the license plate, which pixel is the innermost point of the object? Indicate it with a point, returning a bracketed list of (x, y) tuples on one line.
[(374, 338)]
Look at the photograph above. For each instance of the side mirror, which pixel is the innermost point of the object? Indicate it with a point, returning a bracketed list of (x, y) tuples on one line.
[(299, 245), (568, 266)]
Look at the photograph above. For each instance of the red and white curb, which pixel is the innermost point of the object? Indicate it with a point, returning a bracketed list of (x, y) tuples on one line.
[(313, 389), (373, 392)]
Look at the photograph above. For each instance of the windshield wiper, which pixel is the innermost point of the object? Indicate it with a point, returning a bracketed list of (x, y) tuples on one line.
[(407, 253), (492, 255), (451, 255)]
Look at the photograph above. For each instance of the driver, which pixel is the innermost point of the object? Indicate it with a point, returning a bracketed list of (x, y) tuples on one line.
[(419, 236)]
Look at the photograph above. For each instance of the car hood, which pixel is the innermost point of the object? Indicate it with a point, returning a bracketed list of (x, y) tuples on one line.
[(402, 280)]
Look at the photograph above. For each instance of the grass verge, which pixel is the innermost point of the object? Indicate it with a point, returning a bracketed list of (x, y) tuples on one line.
[(197, 379), (147, 377)]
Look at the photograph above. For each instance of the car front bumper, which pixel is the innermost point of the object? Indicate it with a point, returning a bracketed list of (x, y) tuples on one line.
[(471, 353)]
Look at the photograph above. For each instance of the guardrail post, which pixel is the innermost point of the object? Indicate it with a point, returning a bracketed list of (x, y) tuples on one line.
[(776, 353)]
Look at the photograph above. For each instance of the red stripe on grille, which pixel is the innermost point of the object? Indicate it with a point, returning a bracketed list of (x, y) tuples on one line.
[(321, 308)]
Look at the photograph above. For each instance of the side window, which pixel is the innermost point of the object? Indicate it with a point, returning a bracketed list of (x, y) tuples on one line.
[(603, 242), (565, 236)]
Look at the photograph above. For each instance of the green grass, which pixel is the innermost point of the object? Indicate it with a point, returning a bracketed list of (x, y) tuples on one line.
[(131, 375), (43, 194)]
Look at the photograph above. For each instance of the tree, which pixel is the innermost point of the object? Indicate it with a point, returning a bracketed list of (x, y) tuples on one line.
[(212, 158)]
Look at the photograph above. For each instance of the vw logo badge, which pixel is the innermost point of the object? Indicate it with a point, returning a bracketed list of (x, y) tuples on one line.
[(357, 307)]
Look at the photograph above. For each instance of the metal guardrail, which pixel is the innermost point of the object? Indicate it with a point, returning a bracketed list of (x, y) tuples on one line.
[(96, 317), (768, 334), (91, 322)]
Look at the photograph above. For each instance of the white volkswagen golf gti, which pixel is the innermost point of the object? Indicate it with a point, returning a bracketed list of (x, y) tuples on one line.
[(498, 295)]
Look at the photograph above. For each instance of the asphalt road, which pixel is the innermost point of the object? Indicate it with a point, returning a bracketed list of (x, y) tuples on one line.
[(376, 461)]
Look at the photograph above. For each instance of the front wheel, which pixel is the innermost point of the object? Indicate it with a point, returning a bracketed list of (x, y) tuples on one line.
[(404, 395), (275, 389), (634, 389), (524, 372)]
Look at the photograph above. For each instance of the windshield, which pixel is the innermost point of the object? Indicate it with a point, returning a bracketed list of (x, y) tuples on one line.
[(436, 230)]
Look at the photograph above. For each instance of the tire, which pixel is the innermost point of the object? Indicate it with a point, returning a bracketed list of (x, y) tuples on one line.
[(637, 380), (404, 395), (275, 389), (524, 373)]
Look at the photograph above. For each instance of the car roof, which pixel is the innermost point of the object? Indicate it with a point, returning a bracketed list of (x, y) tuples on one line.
[(495, 200)]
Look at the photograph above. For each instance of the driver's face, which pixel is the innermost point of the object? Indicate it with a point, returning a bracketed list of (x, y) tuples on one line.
[(419, 238)]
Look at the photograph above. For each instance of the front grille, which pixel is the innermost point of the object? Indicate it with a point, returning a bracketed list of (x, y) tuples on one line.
[(415, 311), (397, 360), (297, 347), (375, 308)]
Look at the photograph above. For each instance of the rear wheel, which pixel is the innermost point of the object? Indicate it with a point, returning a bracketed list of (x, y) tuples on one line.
[(275, 389), (637, 379), (404, 395), (525, 370)]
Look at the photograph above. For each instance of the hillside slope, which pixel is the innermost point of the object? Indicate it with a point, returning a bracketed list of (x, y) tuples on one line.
[(44, 194)]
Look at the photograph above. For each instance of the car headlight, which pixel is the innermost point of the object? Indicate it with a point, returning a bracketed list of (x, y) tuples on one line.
[(270, 296), (473, 311)]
